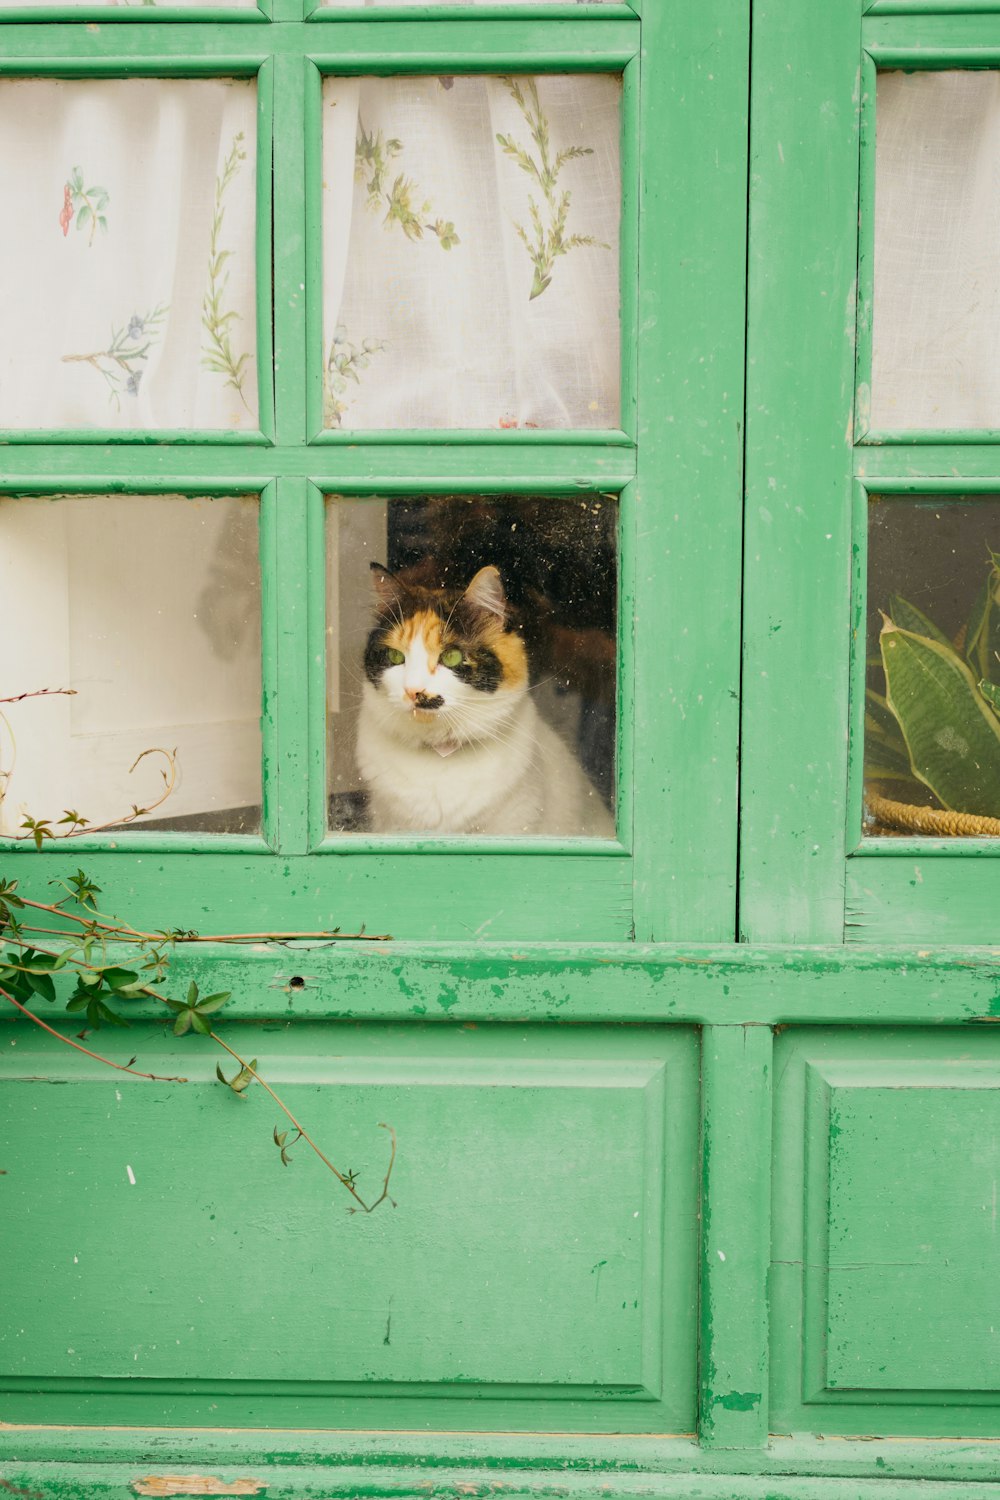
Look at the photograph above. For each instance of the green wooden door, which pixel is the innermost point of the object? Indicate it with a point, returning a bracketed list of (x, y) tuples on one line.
[(692, 1130), (867, 472)]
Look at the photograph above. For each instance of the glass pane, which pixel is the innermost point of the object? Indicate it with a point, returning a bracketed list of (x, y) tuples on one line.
[(161, 5), (471, 665), (148, 609), (353, 4), (932, 721), (936, 305), (471, 252), (127, 280)]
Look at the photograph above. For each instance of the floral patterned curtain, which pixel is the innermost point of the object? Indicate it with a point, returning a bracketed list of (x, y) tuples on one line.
[(127, 279), (470, 252)]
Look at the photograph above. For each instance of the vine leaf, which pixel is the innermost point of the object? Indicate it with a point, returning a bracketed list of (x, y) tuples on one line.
[(193, 1014), (280, 1138), (241, 1081)]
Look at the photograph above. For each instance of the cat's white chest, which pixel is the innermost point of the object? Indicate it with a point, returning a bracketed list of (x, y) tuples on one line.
[(473, 788)]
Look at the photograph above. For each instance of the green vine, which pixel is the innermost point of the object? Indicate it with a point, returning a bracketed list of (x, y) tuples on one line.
[(217, 352), (548, 238), (42, 944)]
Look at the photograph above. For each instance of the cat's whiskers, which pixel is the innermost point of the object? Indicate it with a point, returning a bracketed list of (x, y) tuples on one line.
[(466, 719)]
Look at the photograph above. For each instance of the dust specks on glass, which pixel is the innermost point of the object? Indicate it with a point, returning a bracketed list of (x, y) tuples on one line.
[(932, 694), (470, 252), (444, 4), (158, 657), (471, 676)]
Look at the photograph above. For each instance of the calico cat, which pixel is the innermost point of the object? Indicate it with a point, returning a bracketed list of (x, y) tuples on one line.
[(449, 740)]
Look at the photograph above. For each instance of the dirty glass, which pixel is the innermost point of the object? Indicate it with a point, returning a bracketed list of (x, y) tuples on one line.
[(471, 678), (932, 702), (470, 252), (131, 625), (377, 4), (936, 296), (127, 259)]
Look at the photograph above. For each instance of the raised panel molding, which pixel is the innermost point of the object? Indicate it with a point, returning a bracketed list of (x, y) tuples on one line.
[(886, 1240), (541, 1250)]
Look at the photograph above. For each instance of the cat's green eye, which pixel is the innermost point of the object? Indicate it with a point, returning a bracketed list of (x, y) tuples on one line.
[(451, 657), (396, 658)]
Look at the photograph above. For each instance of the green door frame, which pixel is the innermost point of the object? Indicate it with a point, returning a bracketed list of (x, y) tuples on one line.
[(770, 1035)]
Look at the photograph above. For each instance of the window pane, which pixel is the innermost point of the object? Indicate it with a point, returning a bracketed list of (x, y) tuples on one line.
[(148, 608), (932, 721), (471, 252), (127, 258), (161, 5), (471, 665), (375, 4), (936, 306)]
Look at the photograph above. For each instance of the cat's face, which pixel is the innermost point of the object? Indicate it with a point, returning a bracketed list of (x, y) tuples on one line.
[(446, 664)]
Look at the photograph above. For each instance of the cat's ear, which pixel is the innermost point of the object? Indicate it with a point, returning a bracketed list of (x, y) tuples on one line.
[(486, 594), (388, 590)]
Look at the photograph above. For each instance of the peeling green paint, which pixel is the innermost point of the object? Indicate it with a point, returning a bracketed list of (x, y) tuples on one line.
[(738, 1400)]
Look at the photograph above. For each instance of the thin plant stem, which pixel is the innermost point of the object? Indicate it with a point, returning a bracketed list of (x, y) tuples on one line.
[(304, 1134), (169, 782), (121, 931), (41, 693), (119, 1067)]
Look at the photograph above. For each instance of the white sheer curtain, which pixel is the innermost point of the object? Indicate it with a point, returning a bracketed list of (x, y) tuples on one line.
[(164, 5), (936, 304), (471, 231), (128, 240)]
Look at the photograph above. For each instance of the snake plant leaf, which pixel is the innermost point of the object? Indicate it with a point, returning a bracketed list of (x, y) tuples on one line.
[(886, 755), (991, 693), (976, 629), (908, 617), (982, 643), (952, 735)]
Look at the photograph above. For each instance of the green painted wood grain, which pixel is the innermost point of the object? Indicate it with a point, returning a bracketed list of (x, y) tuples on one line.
[(945, 457), (949, 897), (735, 1164), (579, 981), (468, 897), (522, 467), (358, 46), (289, 704), (882, 1292), (693, 111), (263, 248), (538, 1262), (117, 1483), (802, 268), (942, 38), (385, 1463)]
